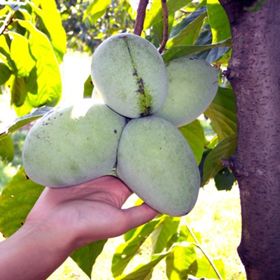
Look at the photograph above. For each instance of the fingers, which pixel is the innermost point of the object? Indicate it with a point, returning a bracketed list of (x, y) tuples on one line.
[(138, 215)]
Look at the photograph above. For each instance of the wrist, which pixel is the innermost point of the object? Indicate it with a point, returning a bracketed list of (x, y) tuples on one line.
[(54, 238), (36, 249)]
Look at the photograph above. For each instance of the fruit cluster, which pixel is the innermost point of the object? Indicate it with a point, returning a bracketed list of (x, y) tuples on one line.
[(133, 131)]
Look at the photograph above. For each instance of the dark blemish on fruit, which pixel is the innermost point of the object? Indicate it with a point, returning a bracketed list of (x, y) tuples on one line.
[(115, 131), (145, 99)]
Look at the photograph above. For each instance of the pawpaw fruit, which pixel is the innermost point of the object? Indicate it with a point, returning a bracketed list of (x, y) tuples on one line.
[(130, 75), (72, 145), (156, 162), (192, 86)]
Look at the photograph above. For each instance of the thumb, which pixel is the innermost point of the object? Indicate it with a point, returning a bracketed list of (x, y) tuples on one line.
[(138, 215)]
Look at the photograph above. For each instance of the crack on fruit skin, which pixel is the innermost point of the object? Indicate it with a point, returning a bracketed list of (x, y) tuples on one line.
[(145, 99)]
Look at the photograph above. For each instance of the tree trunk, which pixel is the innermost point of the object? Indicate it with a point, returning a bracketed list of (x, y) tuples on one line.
[(254, 73)]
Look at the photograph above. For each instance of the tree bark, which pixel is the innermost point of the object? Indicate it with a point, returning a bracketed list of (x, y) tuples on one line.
[(254, 72)]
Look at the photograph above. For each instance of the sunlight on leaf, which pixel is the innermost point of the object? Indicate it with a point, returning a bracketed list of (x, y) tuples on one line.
[(218, 21), (47, 74), (154, 13), (213, 161), (86, 256), (222, 113), (52, 25), (164, 232), (16, 200), (194, 134), (179, 261), (126, 251), (144, 271), (96, 9), (20, 54), (6, 148), (189, 34)]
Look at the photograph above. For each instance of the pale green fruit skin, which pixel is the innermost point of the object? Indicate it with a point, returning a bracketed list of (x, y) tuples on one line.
[(130, 75), (72, 145), (156, 162), (192, 86)]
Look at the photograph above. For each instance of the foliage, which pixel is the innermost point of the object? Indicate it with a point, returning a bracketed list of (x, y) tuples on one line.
[(32, 44), (171, 241), (16, 200), (87, 23)]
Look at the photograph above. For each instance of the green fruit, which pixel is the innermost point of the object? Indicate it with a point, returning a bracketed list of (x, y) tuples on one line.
[(130, 74), (72, 145), (192, 85), (156, 162)]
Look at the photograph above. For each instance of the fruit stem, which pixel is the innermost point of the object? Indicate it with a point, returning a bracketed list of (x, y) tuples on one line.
[(141, 14), (165, 26)]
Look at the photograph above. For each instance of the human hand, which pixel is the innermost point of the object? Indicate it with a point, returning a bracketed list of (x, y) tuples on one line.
[(88, 212), (65, 219)]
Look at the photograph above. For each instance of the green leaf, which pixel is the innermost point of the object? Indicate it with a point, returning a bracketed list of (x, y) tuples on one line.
[(222, 113), (47, 73), (188, 35), (154, 13), (22, 121), (86, 256), (188, 50), (194, 135), (163, 234), (157, 30), (5, 73), (6, 148), (20, 54), (126, 251), (18, 91), (16, 201), (96, 9), (179, 261), (205, 269), (218, 21), (213, 161), (4, 48), (144, 271), (224, 180), (52, 25), (88, 87), (186, 21), (4, 10), (5, 56)]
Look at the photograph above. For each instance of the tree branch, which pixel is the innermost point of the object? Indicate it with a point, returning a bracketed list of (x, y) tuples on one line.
[(7, 22), (165, 25), (141, 14)]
